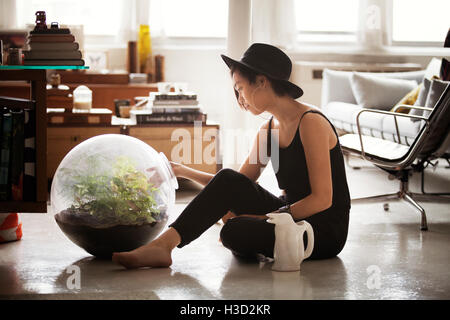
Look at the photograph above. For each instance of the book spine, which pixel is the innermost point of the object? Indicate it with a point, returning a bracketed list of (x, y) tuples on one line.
[(170, 118), (51, 38), (29, 157), (59, 46), (51, 31), (175, 110), (16, 155), (5, 191), (43, 55), (58, 62), (175, 102)]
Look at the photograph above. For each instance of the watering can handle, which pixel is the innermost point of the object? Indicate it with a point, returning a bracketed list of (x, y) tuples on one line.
[(310, 234)]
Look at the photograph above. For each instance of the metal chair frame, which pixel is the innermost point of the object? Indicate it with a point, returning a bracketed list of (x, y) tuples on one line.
[(412, 161)]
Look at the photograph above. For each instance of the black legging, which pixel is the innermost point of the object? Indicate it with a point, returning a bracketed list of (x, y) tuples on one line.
[(230, 190)]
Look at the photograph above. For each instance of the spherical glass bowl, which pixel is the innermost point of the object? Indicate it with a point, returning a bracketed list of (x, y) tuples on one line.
[(112, 193)]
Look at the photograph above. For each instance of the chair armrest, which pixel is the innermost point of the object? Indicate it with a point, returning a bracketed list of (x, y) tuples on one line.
[(395, 114), (411, 107)]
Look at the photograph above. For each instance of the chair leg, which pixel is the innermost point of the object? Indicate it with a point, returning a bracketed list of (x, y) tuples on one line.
[(410, 200), (405, 195), (439, 198), (385, 197)]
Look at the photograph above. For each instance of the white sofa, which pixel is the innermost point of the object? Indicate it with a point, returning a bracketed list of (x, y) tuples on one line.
[(340, 106)]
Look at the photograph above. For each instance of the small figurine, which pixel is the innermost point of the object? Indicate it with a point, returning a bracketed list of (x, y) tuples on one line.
[(289, 251), (40, 21)]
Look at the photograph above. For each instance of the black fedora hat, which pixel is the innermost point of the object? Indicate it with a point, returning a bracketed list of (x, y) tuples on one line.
[(269, 61)]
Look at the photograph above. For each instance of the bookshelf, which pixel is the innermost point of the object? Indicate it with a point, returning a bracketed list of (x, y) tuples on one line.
[(36, 76)]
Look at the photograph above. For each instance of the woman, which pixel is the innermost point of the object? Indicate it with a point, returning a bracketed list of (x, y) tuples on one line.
[(309, 168)]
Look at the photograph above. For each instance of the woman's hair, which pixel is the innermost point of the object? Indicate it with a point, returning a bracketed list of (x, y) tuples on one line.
[(251, 75)]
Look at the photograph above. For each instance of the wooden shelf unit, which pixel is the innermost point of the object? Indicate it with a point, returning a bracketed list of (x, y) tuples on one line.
[(37, 100), (103, 95), (63, 137)]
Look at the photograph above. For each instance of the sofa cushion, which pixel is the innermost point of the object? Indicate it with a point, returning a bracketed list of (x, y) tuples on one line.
[(343, 116), (378, 92), (336, 85), (374, 146), (408, 130)]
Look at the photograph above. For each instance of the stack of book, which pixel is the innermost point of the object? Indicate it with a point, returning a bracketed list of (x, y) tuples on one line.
[(17, 155), (52, 47), (171, 108)]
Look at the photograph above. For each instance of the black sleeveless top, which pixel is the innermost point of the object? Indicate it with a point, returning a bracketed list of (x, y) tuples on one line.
[(292, 172)]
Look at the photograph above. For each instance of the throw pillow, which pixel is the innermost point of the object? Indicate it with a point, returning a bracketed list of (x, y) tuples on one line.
[(336, 87), (445, 70), (437, 87), (409, 99), (421, 99), (377, 92), (10, 227), (433, 68)]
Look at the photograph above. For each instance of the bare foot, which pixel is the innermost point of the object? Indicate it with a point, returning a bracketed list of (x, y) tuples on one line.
[(149, 255)]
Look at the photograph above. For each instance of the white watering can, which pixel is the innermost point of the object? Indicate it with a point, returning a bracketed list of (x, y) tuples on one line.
[(289, 251)]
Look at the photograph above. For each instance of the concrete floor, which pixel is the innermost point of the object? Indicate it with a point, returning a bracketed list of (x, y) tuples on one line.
[(386, 257)]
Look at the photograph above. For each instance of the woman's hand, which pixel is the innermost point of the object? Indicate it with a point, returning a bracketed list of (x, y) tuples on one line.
[(229, 215), (177, 168)]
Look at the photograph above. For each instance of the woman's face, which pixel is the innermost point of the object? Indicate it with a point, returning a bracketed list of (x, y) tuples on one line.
[(247, 94)]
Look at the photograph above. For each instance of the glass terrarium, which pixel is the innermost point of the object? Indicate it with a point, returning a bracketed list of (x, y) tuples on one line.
[(112, 193)]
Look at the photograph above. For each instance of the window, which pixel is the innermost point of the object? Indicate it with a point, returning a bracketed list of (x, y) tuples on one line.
[(326, 20), (90, 14), (193, 18), (107, 22), (420, 21)]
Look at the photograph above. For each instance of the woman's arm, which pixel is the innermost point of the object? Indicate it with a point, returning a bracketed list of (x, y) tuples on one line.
[(253, 165), (317, 142), (182, 171)]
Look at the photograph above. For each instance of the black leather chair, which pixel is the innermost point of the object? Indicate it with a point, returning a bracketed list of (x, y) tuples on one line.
[(400, 160)]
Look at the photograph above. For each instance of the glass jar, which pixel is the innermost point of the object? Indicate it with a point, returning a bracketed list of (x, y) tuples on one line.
[(82, 98), (113, 193)]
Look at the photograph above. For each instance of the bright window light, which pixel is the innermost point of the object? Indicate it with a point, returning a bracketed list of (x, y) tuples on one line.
[(193, 18), (418, 20), (327, 16), (91, 14)]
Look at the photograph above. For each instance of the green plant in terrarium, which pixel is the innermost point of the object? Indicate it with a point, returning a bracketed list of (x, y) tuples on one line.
[(122, 194)]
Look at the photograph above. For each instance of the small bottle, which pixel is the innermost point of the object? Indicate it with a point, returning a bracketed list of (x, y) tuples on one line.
[(14, 56)]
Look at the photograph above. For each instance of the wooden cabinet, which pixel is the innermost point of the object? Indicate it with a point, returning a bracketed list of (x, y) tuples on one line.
[(196, 147), (36, 99), (61, 140)]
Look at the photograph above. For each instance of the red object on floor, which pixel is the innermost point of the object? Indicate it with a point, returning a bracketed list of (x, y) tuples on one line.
[(10, 227)]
